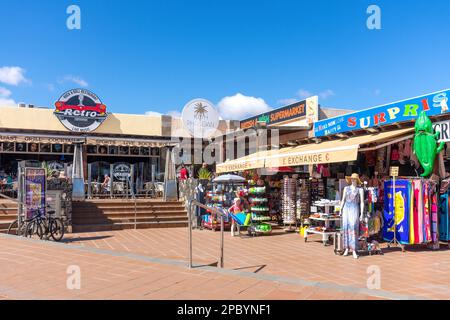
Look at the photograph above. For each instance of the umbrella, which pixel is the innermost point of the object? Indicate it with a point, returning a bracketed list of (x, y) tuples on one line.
[(229, 178)]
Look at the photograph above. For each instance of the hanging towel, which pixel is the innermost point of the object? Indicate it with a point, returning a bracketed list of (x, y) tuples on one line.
[(399, 212), (411, 215), (426, 213)]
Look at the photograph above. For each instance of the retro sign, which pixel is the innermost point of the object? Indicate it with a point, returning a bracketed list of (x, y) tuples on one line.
[(122, 171), (434, 104), (80, 110)]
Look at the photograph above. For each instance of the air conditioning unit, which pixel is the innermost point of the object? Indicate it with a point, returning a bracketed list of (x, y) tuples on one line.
[(31, 106), (22, 105)]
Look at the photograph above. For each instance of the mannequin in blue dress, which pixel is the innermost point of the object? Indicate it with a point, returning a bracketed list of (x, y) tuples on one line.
[(352, 210)]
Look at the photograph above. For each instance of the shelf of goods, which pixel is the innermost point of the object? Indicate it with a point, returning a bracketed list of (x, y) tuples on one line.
[(288, 201), (274, 202), (259, 208), (305, 199), (317, 188), (217, 200), (325, 222)]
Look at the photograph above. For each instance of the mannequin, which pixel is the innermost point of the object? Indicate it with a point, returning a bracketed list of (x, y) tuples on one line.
[(352, 210)]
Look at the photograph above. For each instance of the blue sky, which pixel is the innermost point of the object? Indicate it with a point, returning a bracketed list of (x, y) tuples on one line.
[(143, 56)]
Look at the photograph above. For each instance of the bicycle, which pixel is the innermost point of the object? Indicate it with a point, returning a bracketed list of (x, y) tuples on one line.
[(41, 225)]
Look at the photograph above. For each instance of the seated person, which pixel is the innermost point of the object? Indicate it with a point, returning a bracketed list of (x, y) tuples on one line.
[(106, 184)]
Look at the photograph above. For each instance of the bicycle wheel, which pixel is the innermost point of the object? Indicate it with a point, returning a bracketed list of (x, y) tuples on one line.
[(13, 227), (22, 230), (34, 230), (56, 229)]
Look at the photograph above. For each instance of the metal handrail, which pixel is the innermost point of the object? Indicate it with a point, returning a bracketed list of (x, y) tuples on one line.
[(133, 196), (218, 211)]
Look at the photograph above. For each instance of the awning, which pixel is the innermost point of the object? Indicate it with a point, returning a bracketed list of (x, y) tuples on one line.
[(67, 139), (316, 153), (253, 161), (108, 141), (39, 138)]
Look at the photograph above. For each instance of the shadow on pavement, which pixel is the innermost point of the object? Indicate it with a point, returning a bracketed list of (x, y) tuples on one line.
[(259, 268), (79, 239)]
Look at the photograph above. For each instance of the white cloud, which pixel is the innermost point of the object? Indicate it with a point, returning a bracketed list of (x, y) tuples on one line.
[(5, 93), (174, 113), (238, 107), (377, 92), (12, 75), (285, 102), (75, 79), (5, 100), (326, 94), (302, 93), (153, 113)]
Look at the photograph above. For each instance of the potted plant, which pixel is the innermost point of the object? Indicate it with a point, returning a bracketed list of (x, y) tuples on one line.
[(204, 176)]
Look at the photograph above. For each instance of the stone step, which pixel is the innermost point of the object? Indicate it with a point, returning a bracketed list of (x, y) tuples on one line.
[(126, 212), (127, 225), (126, 208), (94, 220), (106, 203)]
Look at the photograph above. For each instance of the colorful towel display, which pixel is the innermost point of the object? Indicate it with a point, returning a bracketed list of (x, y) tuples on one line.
[(444, 226), (415, 211), (399, 212)]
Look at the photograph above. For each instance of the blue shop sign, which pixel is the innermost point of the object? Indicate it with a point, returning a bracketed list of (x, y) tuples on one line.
[(433, 103)]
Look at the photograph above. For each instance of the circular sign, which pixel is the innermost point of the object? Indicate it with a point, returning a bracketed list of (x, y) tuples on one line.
[(122, 171), (55, 165), (80, 110), (200, 118)]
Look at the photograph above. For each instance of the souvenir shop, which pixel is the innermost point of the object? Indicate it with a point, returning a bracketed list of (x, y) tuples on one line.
[(399, 163)]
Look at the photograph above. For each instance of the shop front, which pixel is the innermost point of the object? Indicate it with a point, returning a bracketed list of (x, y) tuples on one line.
[(107, 141), (376, 147)]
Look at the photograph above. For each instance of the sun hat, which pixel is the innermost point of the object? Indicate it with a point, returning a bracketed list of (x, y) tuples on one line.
[(353, 176)]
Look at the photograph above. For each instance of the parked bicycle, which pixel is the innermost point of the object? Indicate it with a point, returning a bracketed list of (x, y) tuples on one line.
[(40, 225)]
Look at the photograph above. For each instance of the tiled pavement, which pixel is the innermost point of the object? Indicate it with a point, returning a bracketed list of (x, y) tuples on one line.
[(151, 264)]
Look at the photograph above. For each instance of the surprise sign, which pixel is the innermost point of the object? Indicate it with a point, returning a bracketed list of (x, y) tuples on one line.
[(409, 109)]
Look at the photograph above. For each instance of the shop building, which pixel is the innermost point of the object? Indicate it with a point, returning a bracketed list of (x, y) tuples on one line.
[(376, 144)]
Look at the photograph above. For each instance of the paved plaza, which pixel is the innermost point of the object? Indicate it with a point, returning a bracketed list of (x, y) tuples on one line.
[(152, 264)]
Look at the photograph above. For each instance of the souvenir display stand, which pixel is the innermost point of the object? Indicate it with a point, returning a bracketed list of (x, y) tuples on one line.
[(274, 197), (220, 197), (258, 200), (289, 203), (325, 221)]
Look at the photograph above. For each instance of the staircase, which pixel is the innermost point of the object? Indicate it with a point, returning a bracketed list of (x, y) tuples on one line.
[(8, 213), (118, 214)]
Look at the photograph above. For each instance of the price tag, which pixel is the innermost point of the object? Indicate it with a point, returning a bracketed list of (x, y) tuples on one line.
[(394, 172), (313, 209)]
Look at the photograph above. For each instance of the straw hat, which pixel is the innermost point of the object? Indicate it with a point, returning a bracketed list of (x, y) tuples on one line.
[(353, 176)]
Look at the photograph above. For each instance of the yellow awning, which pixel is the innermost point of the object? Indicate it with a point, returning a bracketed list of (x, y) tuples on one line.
[(253, 161), (315, 153)]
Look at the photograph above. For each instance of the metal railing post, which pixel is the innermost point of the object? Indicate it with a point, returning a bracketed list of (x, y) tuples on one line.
[(190, 233), (215, 211), (221, 241)]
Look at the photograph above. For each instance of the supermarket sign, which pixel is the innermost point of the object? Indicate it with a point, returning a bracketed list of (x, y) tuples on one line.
[(433, 104), (306, 109)]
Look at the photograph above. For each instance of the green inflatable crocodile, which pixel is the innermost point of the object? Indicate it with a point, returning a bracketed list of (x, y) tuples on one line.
[(425, 143)]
